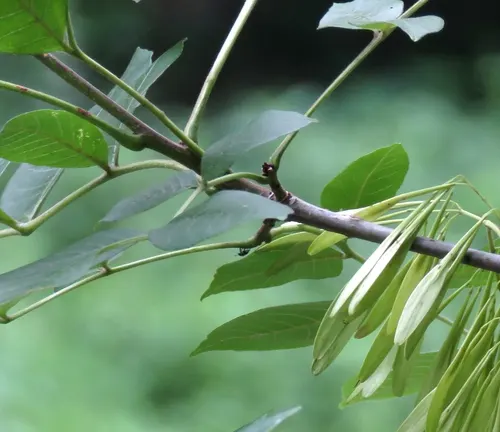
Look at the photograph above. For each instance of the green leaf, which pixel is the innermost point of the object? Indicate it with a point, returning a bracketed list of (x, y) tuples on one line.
[(220, 213), (268, 422), (66, 266), (32, 27), (277, 263), (140, 74), (379, 15), (275, 328), (270, 125), (341, 331), (151, 197), (368, 180), (415, 422), (419, 371), (53, 138), (27, 190)]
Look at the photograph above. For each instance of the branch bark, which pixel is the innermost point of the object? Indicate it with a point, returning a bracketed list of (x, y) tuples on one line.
[(304, 212)]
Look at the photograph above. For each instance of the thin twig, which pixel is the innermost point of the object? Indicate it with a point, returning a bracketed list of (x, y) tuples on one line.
[(201, 103)]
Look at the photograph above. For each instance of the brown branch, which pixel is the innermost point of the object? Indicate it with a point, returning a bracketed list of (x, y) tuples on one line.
[(304, 212), (152, 138)]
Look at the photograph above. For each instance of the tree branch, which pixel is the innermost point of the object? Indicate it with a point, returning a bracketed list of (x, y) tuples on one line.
[(304, 212), (152, 138)]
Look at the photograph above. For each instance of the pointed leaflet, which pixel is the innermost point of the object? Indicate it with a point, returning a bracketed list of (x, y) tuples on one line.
[(270, 125), (374, 381), (449, 347), (67, 265), (220, 213), (387, 258), (27, 190), (379, 15), (348, 327), (53, 138), (141, 74), (32, 27), (269, 422), (421, 368), (373, 276), (152, 197), (277, 263), (274, 328), (415, 422), (428, 290), (382, 308), (368, 180), (381, 347)]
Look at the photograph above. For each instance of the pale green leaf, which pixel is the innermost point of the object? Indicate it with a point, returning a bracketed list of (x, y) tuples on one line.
[(419, 371), (151, 197), (220, 213), (53, 138), (359, 14), (277, 263), (32, 27), (379, 15), (415, 422), (27, 190), (269, 422), (419, 27), (270, 125), (275, 328)]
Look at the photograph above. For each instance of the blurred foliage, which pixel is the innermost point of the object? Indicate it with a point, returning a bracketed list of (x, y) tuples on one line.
[(114, 355)]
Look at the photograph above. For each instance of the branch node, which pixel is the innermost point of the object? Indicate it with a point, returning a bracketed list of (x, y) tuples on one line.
[(278, 193)]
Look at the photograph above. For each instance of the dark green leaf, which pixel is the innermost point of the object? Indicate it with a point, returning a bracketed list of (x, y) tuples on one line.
[(368, 180), (27, 189), (379, 15), (53, 138), (268, 422), (270, 125), (274, 328), (141, 74), (32, 27), (277, 263), (67, 265), (421, 368), (220, 213), (152, 197)]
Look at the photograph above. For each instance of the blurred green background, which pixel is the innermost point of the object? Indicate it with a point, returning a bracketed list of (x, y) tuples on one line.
[(114, 355)]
